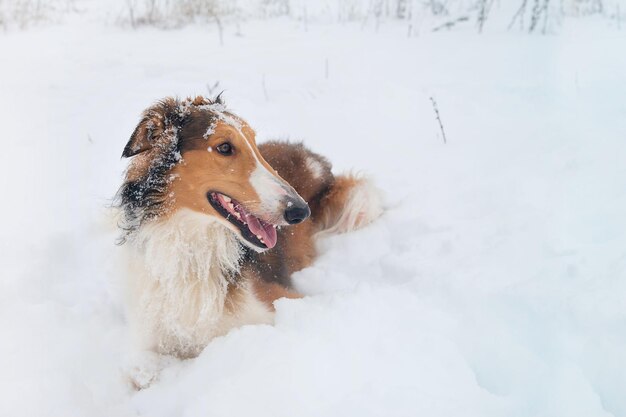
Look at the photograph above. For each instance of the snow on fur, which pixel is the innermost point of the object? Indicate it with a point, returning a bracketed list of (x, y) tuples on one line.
[(492, 285)]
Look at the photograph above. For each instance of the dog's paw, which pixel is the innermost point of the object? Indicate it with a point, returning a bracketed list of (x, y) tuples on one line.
[(141, 377), (146, 369), (363, 205)]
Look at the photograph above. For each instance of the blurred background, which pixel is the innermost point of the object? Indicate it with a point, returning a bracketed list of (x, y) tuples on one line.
[(417, 15)]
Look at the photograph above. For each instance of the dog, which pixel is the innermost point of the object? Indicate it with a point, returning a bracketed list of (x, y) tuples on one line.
[(215, 225)]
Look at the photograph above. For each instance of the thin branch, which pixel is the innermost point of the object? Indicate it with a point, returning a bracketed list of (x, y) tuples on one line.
[(451, 23), (545, 17), (436, 109), (520, 13), (212, 88), (220, 28), (483, 12)]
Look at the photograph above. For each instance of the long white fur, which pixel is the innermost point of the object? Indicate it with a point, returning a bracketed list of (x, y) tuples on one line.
[(179, 282), (362, 206)]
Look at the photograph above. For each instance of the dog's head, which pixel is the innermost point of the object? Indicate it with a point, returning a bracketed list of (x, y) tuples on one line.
[(195, 154)]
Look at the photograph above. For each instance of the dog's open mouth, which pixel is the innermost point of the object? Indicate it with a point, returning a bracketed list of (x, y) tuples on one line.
[(256, 231)]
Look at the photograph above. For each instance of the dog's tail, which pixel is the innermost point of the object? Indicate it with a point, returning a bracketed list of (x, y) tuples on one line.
[(338, 203), (353, 201)]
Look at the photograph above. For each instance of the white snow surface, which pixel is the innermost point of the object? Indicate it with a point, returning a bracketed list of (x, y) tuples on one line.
[(493, 285)]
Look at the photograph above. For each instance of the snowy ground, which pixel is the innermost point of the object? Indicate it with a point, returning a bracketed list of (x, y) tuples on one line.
[(493, 285)]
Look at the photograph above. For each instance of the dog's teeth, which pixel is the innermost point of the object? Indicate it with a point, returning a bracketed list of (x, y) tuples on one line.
[(231, 206), (226, 198)]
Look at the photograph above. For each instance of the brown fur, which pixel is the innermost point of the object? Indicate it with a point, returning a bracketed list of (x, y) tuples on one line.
[(268, 292), (296, 246), (199, 171), (332, 203)]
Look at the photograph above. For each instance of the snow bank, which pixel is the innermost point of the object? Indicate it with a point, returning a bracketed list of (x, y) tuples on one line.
[(493, 285)]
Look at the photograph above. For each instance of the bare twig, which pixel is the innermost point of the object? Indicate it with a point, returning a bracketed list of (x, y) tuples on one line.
[(451, 23), (534, 16), (220, 28), (401, 9), (212, 88), (545, 17), (436, 109), (483, 12), (538, 10), (131, 12), (519, 14)]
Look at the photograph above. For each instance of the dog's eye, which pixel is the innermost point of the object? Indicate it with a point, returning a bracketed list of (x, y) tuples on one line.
[(225, 148)]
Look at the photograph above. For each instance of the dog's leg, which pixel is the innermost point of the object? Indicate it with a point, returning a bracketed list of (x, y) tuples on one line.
[(146, 367), (144, 362), (268, 292), (351, 203)]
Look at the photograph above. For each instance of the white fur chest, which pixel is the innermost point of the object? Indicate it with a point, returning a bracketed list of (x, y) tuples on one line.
[(179, 285)]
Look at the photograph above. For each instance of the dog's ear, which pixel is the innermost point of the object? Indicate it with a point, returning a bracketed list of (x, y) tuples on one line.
[(154, 122)]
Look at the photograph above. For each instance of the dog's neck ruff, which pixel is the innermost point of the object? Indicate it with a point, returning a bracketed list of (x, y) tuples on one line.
[(186, 263), (188, 246)]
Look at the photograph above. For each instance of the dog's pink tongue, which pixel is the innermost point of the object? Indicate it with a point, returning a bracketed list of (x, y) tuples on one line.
[(260, 228)]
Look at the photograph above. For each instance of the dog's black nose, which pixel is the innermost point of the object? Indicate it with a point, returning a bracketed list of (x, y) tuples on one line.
[(297, 212)]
